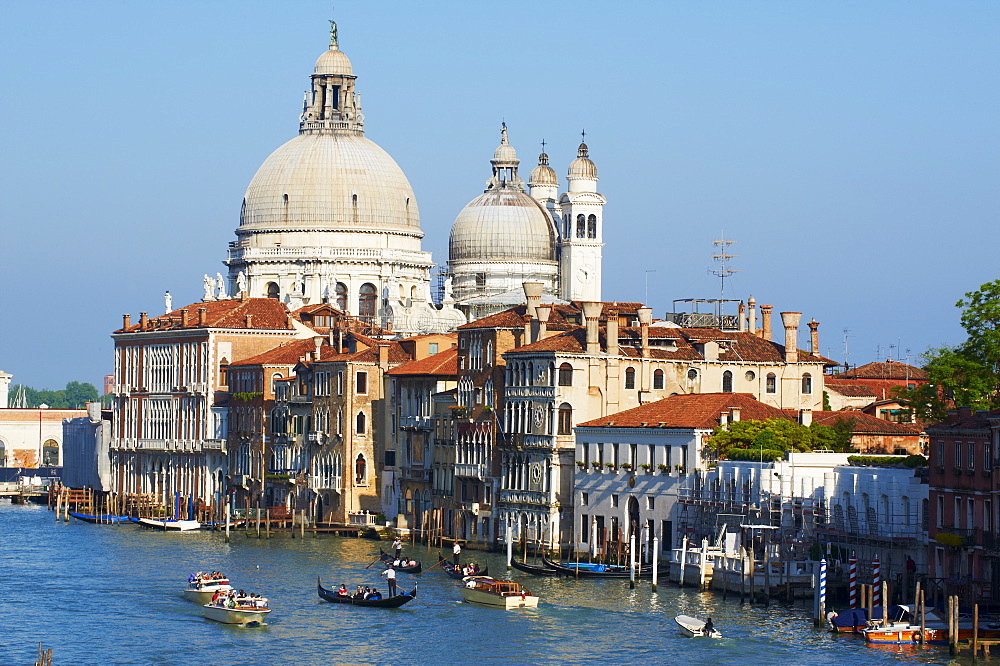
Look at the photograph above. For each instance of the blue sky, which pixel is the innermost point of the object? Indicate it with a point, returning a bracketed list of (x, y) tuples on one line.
[(850, 148)]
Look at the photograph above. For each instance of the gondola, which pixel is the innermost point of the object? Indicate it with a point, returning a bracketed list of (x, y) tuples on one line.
[(391, 602), (595, 570), (389, 559), (533, 569), (103, 519), (456, 572)]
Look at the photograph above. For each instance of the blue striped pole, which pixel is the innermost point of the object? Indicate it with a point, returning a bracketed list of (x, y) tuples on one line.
[(821, 607)]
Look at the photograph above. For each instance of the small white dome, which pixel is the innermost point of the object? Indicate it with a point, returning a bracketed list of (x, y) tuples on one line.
[(582, 167), (502, 225), (334, 62), (543, 174)]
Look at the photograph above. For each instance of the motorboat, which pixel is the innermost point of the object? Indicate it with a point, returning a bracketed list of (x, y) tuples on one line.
[(488, 591), (102, 519), (170, 525), (906, 628), (386, 602), (695, 628), (202, 587), (389, 559), (247, 611), (456, 571)]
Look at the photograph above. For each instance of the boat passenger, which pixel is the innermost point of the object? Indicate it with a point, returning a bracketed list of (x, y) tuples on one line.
[(360, 593), (343, 591), (709, 627), (375, 595), (412, 563)]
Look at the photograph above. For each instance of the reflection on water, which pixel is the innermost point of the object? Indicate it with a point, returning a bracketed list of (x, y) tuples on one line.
[(112, 595)]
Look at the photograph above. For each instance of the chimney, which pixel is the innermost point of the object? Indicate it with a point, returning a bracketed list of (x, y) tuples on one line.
[(813, 336), (805, 417), (645, 319), (248, 319), (612, 331), (184, 318), (765, 322), (143, 321), (723, 419), (94, 411), (734, 414), (742, 317), (126, 320), (965, 412), (543, 312), (383, 357), (533, 294), (592, 314), (317, 344), (202, 316), (752, 307), (790, 320)]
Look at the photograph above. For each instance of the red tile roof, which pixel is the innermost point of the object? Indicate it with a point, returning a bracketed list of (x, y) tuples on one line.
[(443, 363), (265, 314), (877, 390), (699, 410), (884, 370), (863, 424), (288, 353)]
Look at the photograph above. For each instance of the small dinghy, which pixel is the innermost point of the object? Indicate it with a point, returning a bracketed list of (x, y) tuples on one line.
[(693, 627), (103, 519), (170, 525)]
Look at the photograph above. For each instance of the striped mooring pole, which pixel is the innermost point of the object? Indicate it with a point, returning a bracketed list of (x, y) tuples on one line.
[(821, 609), (853, 585), (876, 583)]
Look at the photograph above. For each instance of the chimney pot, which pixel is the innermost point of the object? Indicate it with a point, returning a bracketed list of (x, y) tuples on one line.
[(143, 321), (592, 315), (752, 307), (202, 316), (126, 320), (249, 320), (184, 318), (813, 337), (533, 295), (790, 320), (805, 417), (612, 331), (645, 319), (543, 312), (765, 319)]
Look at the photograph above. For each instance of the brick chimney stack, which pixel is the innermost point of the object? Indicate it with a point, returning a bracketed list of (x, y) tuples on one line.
[(742, 317), (126, 320), (143, 321), (645, 319), (765, 318), (813, 336), (612, 331), (184, 318), (533, 295), (790, 320), (592, 315), (202, 316), (543, 312)]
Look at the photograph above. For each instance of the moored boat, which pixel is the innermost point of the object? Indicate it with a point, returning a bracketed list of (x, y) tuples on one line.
[(488, 591), (389, 602), (244, 610), (596, 569), (170, 525), (409, 568), (202, 587), (695, 628), (458, 572), (906, 629), (533, 569), (102, 519)]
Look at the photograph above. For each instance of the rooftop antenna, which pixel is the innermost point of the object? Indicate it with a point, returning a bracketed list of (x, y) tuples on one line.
[(722, 271), (847, 351)]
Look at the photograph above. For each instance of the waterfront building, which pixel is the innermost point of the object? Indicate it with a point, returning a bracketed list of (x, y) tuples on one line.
[(87, 450), (507, 236), (964, 546), (417, 418), (329, 217), (31, 437), (170, 402)]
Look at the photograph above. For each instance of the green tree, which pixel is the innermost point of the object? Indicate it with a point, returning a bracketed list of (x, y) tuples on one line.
[(75, 396), (771, 435)]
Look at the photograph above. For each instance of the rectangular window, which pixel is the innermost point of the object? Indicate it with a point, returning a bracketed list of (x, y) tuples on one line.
[(600, 453), (340, 383), (361, 384), (432, 348), (987, 456), (614, 501), (584, 499), (585, 528), (958, 454), (650, 503), (633, 455), (972, 455), (939, 445), (614, 455), (652, 454), (586, 455)]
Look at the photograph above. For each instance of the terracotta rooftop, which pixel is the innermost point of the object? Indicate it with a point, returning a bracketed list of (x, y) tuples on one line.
[(288, 353), (265, 314), (876, 390), (699, 410), (885, 370), (443, 363), (863, 424)]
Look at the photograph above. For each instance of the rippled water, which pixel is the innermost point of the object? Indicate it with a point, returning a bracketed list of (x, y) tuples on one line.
[(112, 595)]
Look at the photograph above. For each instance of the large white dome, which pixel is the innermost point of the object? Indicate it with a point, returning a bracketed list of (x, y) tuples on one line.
[(505, 225), (329, 181)]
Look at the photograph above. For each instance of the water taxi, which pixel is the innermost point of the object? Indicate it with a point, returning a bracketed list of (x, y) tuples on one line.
[(694, 628), (202, 587), (245, 611), (499, 593)]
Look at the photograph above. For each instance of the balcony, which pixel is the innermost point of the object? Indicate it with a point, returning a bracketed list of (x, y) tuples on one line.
[(474, 471), (956, 536), (533, 497), (326, 482), (530, 392), (169, 445), (315, 437), (416, 422), (300, 399)]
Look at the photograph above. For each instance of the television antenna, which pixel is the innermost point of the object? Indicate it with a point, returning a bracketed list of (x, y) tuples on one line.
[(722, 269)]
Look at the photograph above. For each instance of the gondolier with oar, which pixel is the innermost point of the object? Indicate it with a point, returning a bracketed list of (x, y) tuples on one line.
[(397, 546), (390, 578), (455, 552)]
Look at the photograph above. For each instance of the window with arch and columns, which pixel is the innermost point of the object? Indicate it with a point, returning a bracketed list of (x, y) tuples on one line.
[(629, 378), (807, 384), (581, 226), (727, 382)]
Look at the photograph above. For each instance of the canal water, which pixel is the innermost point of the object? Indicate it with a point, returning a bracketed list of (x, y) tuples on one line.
[(112, 595)]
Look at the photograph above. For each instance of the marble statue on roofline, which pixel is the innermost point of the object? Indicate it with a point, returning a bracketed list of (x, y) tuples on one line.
[(241, 283), (168, 302), (220, 283), (209, 285)]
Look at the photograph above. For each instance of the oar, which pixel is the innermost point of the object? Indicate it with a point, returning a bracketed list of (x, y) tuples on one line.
[(376, 560), (435, 564)]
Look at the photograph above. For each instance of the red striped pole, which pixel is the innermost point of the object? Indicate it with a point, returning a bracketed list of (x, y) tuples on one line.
[(853, 589), (876, 583)]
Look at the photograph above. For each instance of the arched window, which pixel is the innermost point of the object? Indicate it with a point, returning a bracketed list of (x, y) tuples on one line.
[(284, 208), (592, 226), (565, 419), (341, 296), (807, 384), (274, 379), (360, 422), (771, 384), (658, 379), (629, 378), (581, 226), (361, 470), (273, 291), (727, 382), (366, 301), (565, 375), (3, 454), (50, 453)]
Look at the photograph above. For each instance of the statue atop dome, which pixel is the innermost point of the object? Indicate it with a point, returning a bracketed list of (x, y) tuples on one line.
[(333, 35)]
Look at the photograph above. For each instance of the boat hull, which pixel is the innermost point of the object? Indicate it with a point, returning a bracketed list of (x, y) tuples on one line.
[(204, 594), (934, 635), (244, 616), (391, 602), (588, 570), (103, 519), (389, 559), (533, 569), (692, 627), (456, 572), (498, 601), (170, 525)]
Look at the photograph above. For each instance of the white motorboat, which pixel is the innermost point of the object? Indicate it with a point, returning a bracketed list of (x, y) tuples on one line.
[(202, 588), (244, 611), (499, 593), (170, 525), (693, 627)]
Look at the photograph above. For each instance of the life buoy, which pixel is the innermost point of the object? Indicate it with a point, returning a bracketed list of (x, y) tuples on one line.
[(917, 637)]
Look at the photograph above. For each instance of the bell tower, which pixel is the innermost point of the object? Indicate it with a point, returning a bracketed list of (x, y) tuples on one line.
[(581, 232)]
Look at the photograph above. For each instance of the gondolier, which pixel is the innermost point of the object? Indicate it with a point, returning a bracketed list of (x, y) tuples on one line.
[(390, 578), (397, 546), (455, 552)]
